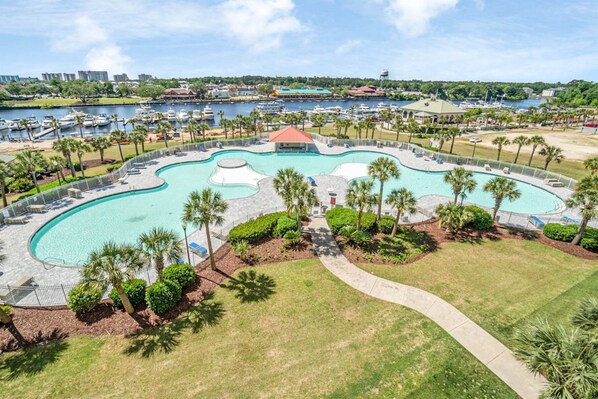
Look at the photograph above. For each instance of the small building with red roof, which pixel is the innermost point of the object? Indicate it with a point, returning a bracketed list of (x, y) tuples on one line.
[(291, 139)]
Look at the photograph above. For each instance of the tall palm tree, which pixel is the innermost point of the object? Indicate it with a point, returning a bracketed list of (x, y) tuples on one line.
[(500, 141), (203, 209), (441, 136), (501, 188), (55, 124), (59, 164), (5, 173), (383, 169), (412, 127), (31, 162), (303, 198), (284, 181), (114, 264), (520, 141), (403, 201), (461, 181), (535, 141), (159, 243), (64, 147), (453, 217), (221, 114), (592, 165), (359, 195), (453, 132), (585, 197), (100, 144), (115, 118), (267, 118), (79, 122), (24, 124), (254, 115), (203, 128), (398, 125), (119, 136), (191, 129), (164, 127), (80, 148), (551, 153)]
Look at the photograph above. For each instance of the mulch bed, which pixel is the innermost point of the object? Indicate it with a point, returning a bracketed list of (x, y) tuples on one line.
[(38, 325)]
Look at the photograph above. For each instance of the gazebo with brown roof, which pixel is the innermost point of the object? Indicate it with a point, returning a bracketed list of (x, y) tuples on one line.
[(291, 139)]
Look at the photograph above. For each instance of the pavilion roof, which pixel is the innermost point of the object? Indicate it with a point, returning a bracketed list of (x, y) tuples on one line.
[(290, 135)]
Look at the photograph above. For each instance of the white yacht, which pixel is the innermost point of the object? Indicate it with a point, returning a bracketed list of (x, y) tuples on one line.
[(318, 110), (33, 123), (3, 125), (67, 121), (170, 115), (89, 121), (334, 110), (364, 109), (208, 114), (196, 114), (271, 107), (182, 116), (14, 125), (103, 120), (47, 121)]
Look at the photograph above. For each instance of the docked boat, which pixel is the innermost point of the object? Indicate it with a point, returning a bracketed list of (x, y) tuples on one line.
[(15, 125), (170, 115), (208, 114), (67, 121), (3, 125), (275, 107), (182, 116), (336, 110), (103, 120), (89, 121), (196, 115), (317, 110), (364, 109), (33, 123), (47, 122)]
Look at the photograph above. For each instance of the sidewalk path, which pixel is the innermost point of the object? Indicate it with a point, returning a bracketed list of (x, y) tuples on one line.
[(487, 349)]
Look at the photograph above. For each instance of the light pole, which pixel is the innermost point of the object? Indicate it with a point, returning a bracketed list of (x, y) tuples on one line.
[(184, 226)]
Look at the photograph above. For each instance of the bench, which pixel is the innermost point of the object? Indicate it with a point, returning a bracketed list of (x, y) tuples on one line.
[(133, 171), (311, 180), (22, 282), (506, 171), (74, 192), (555, 184), (139, 165), (36, 208), (550, 180), (198, 249), (536, 221), (16, 220)]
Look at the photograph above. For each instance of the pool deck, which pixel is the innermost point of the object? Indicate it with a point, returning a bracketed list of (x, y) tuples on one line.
[(20, 262)]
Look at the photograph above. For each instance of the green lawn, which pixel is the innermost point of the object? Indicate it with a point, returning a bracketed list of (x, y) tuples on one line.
[(314, 337), (501, 284), (64, 102)]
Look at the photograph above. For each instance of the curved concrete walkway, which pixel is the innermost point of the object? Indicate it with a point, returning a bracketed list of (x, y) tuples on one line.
[(487, 349)]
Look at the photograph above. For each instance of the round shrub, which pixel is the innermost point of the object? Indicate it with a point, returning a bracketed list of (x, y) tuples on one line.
[(21, 184), (84, 297), (590, 239), (361, 238), (135, 290), (292, 237), (385, 224), (182, 273), (163, 295), (283, 225), (482, 220), (338, 218), (255, 230), (560, 232)]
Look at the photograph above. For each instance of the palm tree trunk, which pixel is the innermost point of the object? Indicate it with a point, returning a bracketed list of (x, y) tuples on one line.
[(380, 200), (456, 197), (498, 156), (3, 192), (124, 299), (546, 164), (35, 182), (496, 208), (580, 231), (80, 131), (81, 166), (396, 225), (452, 144), (517, 155), (159, 266), (531, 156), (359, 219), (72, 166), (101, 155), (136, 148), (143, 146), (210, 252), (121, 152)]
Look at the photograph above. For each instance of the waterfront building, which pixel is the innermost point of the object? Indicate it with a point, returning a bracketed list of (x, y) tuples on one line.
[(528, 90), (301, 93), (431, 109), (143, 77), (93, 76), (219, 93), (365, 91), (178, 94), (119, 78), (552, 92), (48, 76), (69, 76), (9, 78)]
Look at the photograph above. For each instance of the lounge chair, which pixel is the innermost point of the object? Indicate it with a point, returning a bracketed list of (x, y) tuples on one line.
[(22, 282), (556, 184), (506, 171), (568, 220), (36, 208), (16, 220), (123, 180), (311, 180), (219, 144), (487, 167), (133, 171), (329, 145), (439, 160), (536, 221), (139, 165), (418, 154), (198, 249), (346, 145)]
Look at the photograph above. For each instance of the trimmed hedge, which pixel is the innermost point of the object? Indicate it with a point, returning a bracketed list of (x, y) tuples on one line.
[(84, 297), (255, 230), (560, 232), (385, 224), (163, 295), (284, 225), (482, 220), (182, 273), (338, 218), (135, 290)]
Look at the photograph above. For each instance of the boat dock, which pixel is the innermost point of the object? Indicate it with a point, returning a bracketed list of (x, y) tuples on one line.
[(44, 132)]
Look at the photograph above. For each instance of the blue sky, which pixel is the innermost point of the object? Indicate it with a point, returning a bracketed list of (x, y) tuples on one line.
[(507, 40)]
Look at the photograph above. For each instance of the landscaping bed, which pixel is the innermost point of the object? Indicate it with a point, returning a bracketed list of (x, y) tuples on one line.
[(37, 325)]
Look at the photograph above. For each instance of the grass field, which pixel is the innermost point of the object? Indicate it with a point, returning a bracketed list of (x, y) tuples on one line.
[(501, 284), (314, 337), (63, 102)]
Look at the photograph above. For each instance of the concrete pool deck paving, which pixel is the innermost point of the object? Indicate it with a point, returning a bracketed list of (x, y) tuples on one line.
[(20, 262)]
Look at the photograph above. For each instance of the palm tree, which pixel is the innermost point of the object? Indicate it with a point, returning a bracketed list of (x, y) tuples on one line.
[(191, 129), (551, 153), (403, 201), (164, 127), (80, 148), (535, 141), (31, 162), (203, 209), (24, 124), (119, 136), (412, 127), (303, 198), (500, 141), (441, 137), (520, 141), (115, 264), (254, 115), (591, 165), (501, 188), (453, 217), (203, 128), (461, 181), (160, 243), (220, 114), (59, 164), (115, 117), (453, 132), (5, 173), (383, 169), (359, 195), (4, 317), (585, 197), (398, 125), (79, 121), (100, 144), (284, 181), (55, 124), (64, 147), (267, 118)]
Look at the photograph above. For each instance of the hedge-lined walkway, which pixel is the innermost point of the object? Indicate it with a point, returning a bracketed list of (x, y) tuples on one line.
[(487, 349)]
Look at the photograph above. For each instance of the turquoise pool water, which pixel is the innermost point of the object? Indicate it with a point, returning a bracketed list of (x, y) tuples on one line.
[(70, 237)]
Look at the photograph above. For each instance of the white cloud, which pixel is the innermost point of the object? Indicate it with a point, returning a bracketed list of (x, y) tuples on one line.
[(348, 46), (107, 57), (412, 18), (85, 32)]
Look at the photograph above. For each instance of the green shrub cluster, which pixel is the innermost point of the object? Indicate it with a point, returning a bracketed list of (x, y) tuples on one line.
[(385, 224), (338, 218), (255, 230), (284, 225), (292, 238), (114, 167), (84, 297), (134, 289), (482, 220), (567, 233), (163, 295), (182, 273)]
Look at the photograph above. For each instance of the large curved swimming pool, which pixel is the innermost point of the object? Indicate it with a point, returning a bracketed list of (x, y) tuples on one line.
[(70, 237)]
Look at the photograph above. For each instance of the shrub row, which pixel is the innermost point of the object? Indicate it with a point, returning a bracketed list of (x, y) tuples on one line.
[(338, 218), (482, 220), (255, 230), (567, 233)]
